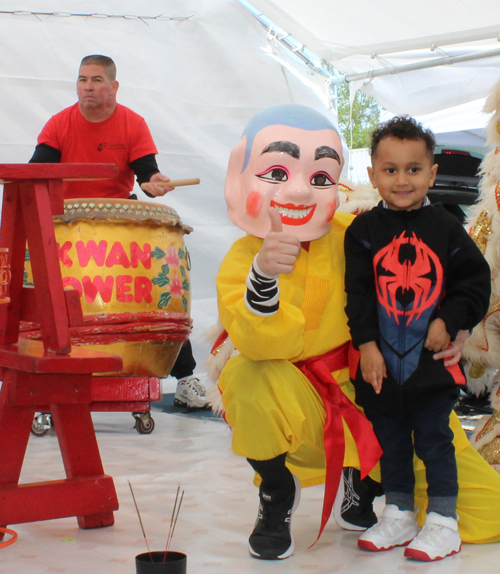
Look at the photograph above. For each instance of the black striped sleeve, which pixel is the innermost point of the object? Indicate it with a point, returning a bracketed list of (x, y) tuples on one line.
[(262, 294)]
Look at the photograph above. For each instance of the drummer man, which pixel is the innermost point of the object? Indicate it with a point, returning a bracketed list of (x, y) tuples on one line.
[(99, 130)]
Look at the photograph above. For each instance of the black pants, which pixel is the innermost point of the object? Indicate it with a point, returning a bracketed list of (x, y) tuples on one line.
[(185, 363)]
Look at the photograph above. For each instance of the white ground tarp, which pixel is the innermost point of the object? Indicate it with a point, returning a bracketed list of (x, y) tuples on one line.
[(196, 79)]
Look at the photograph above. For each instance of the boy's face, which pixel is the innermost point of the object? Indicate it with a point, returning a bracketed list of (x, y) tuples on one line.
[(294, 170), (402, 171)]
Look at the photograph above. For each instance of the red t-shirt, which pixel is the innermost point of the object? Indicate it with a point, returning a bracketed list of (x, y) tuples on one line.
[(122, 138)]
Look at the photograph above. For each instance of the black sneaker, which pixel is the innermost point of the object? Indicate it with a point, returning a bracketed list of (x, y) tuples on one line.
[(271, 538), (353, 507)]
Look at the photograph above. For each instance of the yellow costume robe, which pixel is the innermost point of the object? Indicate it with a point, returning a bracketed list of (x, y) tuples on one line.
[(273, 408)]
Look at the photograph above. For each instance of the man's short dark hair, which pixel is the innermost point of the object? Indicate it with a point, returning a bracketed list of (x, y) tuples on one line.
[(105, 61), (404, 128)]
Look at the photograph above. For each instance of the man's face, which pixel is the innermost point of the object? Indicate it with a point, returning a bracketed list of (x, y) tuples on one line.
[(94, 89), (293, 170)]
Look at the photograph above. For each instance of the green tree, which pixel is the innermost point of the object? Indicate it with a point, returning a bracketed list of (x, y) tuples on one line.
[(365, 117)]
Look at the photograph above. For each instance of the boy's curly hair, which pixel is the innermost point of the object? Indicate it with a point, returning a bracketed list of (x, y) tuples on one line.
[(404, 128)]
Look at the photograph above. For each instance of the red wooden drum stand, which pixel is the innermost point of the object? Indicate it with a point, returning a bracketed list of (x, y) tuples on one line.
[(47, 372), (114, 394)]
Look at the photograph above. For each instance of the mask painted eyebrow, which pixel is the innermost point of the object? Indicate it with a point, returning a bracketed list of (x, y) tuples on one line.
[(326, 151), (283, 146)]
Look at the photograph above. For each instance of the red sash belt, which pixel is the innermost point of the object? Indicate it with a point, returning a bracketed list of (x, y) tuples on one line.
[(319, 372)]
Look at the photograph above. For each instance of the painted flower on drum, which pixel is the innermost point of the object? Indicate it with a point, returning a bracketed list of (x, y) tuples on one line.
[(176, 287), (172, 257), (175, 261)]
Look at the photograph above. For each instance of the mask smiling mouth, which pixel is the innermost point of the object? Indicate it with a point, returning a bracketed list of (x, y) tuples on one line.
[(294, 214)]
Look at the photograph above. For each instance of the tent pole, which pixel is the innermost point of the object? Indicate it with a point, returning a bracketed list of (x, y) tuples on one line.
[(291, 44), (421, 65)]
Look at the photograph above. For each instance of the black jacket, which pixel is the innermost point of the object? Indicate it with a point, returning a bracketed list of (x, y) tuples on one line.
[(403, 270)]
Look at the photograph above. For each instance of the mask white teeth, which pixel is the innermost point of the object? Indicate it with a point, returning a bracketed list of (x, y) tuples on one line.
[(293, 213)]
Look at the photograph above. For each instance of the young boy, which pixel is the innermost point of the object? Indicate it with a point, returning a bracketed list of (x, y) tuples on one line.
[(414, 278)]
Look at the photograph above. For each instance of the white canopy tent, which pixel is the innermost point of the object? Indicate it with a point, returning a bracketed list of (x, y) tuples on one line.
[(453, 46), (198, 70), (468, 118), (463, 125)]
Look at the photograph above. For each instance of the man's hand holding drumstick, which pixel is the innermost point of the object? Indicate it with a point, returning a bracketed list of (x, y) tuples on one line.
[(160, 184)]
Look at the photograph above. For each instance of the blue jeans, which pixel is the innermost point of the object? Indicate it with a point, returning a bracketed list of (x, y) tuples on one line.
[(432, 442)]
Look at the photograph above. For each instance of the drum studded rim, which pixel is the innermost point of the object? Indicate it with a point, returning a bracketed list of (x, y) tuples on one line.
[(120, 209)]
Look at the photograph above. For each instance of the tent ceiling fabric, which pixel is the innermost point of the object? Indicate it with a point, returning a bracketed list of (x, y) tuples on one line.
[(400, 32)]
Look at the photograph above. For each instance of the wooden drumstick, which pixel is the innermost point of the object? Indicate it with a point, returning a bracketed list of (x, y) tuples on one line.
[(172, 183)]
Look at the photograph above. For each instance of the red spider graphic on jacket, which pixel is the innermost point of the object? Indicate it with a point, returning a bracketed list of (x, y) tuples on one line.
[(418, 280)]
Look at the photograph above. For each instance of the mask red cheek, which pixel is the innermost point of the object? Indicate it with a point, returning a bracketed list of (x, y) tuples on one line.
[(330, 209), (254, 204)]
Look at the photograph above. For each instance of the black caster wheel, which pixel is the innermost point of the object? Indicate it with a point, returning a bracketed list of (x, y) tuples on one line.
[(144, 423), (41, 424)]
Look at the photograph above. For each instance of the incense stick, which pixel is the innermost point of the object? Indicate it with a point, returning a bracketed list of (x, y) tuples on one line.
[(173, 521), (176, 517), (140, 520)]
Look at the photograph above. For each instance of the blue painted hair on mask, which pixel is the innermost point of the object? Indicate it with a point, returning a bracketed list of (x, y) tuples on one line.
[(290, 115)]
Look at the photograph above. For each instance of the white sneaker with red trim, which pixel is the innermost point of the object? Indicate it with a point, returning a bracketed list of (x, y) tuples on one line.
[(438, 538), (395, 528)]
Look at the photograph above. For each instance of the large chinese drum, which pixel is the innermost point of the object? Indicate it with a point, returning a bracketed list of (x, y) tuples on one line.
[(128, 262)]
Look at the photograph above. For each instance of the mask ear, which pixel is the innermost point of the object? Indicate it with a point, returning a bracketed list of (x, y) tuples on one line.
[(233, 192)]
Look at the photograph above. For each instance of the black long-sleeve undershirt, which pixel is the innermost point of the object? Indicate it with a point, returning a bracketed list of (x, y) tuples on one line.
[(144, 167)]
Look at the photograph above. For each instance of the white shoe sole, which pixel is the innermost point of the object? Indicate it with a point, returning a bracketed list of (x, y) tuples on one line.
[(372, 547), (424, 557), (185, 405)]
